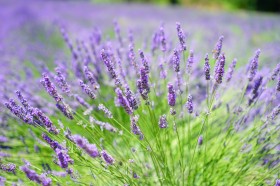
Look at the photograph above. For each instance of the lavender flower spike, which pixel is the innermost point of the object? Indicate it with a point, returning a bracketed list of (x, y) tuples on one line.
[(10, 167), (189, 104), (143, 84), (190, 62), (254, 65), (107, 158), (50, 88), (105, 110), (171, 95), (207, 68), (144, 61), (275, 72), (176, 61), (131, 98), (220, 69), (162, 39), (218, 48), (200, 140), (278, 84), (87, 90), (181, 37), (83, 143), (277, 183), (61, 82), (134, 127), (163, 122), (123, 101), (90, 77), (231, 70)]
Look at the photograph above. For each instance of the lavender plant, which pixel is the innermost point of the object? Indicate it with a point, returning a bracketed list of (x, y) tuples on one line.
[(118, 118)]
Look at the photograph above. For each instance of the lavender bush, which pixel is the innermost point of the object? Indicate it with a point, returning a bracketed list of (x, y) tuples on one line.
[(118, 113)]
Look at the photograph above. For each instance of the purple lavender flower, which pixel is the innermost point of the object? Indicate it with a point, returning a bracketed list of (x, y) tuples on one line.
[(155, 42), (65, 109), (19, 111), (81, 101), (10, 167), (134, 127), (189, 104), (275, 112), (83, 143), (162, 39), (277, 183), (143, 84), (255, 91), (275, 72), (3, 139), (123, 101), (171, 95), (181, 37), (63, 158), (23, 100), (33, 176), (131, 98), (231, 70), (163, 122), (176, 61), (135, 176), (107, 158), (131, 56), (144, 61), (87, 90), (254, 65), (69, 44), (2, 180), (53, 144), (90, 77), (207, 68), (50, 88), (218, 48), (105, 110), (110, 67), (37, 113), (190, 62), (220, 69), (200, 140), (61, 82)]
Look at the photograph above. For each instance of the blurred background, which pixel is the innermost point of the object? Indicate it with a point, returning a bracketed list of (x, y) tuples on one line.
[(258, 5)]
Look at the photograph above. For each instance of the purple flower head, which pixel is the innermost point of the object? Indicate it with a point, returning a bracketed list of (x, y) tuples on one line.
[(162, 39), (143, 84), (90, 77), (118, 33), (231, 70), (131, 55), (253, 67), (176, 61), (63, 158), (255, 91), (275, 112), (107, 158), (200, 140), (19, 111), (144, 61), (31, 174), (171, 95), (38, 114), (65, 109), (61, 82), (123, 101), (134, 127), (10, 167), (45, 180), (53, 144), (163, 122), (23, 100), (155, 42), (50, 88), (181, 37), (190, 62), (277, 183), (131, 98), (83, 143), (87, 90), (207, 68), (189, 104), (218, 48), (275, 72), (110, 67), (220, 69), (69, 44), (3, 139), (82, 101), (105, 110)]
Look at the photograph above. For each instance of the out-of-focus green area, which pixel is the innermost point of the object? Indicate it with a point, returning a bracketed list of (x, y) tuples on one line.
[(259, 5)]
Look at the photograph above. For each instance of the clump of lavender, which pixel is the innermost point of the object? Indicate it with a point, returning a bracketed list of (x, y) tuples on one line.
[(231, 133)]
